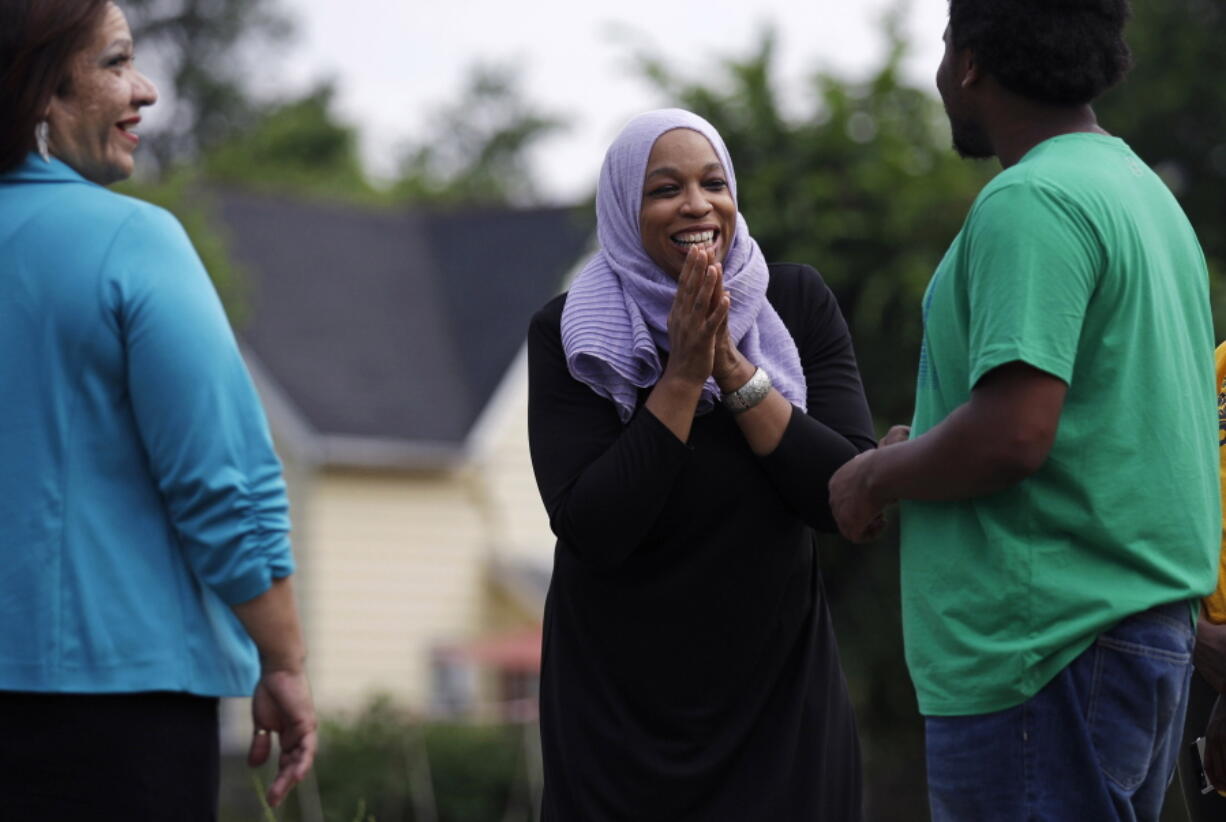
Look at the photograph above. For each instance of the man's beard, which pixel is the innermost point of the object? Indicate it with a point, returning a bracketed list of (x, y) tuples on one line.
[(970, 141)]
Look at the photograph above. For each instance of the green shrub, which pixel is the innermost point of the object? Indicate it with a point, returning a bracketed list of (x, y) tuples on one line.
[(384, 765)]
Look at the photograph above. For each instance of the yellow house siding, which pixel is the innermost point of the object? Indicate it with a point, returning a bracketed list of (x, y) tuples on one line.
[(395, 563), (396, 568), (505, 465)]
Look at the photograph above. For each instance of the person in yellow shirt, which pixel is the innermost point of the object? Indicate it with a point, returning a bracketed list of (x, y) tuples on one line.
[(1208, 694), (1215, 603)]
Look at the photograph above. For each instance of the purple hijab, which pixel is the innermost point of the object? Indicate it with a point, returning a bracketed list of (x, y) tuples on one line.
[(616, 313)]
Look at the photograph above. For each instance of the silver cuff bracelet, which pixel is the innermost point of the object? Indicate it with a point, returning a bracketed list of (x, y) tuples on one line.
[(749, 394)]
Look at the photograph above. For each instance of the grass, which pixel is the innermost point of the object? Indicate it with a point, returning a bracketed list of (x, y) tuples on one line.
[(261, 791)]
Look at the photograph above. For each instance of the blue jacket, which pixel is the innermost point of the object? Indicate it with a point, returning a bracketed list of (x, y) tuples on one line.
[(139, 492)]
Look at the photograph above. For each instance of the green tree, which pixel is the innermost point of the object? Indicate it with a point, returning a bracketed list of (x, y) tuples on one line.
[(298, 146), (1172, 110), (386, 764), (478, 151)]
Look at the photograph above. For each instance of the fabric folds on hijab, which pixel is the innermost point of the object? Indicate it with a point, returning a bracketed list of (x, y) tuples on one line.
[(616, 313)]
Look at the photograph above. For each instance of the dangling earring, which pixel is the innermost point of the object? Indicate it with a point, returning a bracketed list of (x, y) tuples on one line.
[(41, 133)]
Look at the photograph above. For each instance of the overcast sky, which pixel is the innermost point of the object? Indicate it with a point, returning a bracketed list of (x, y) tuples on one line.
[(396, 62)]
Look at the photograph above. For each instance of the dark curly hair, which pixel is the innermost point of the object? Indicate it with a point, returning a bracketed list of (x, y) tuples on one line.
[(1055, 51)]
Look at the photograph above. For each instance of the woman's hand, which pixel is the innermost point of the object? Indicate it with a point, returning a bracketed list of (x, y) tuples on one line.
[(699, 310), (282, 706), (730, 368)]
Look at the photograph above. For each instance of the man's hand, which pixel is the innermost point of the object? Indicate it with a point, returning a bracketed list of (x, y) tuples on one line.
[(858, 513), (896, 434), (1215, 746), (1210, 654), (282, 705)]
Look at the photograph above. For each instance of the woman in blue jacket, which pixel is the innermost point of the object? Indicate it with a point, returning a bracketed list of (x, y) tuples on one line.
[(144, 554)]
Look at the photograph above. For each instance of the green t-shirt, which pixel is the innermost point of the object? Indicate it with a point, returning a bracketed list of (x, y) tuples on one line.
[(1079, 262)]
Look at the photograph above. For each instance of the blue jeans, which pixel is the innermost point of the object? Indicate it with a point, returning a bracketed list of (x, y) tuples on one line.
[(1098, 743)]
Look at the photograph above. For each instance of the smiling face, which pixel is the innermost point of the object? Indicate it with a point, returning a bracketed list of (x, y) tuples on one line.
[(91, 124), (686, 201)]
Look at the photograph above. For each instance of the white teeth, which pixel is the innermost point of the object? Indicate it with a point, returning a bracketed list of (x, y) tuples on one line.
[(695, 238)]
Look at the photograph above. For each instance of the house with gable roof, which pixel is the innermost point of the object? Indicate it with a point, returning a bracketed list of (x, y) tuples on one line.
[(388, 348)]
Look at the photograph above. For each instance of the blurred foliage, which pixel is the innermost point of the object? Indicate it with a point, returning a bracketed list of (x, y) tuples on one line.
[(203, 54), (386, 765), (1172, 110), (477, 153), (298, 147)]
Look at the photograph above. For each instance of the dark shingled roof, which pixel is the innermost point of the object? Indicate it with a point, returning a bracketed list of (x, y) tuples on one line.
[(394, 325)]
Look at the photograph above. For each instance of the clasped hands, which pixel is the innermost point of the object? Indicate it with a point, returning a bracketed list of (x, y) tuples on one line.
[(858, 509), (700, 347), (699, 344)]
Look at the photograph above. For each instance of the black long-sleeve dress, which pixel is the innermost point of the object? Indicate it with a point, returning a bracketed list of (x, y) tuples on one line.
[(690, 671)]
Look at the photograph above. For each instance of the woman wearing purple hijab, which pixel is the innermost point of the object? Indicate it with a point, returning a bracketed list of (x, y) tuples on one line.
[(688, 403)]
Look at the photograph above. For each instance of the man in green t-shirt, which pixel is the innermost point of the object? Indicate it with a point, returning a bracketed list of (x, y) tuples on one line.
[(1060, 510)]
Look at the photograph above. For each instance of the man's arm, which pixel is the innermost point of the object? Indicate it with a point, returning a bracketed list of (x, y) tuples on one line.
[(1002, 435)]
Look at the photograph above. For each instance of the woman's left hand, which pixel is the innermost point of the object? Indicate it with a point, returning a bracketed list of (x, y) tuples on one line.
[(282, 705), (730, 368)]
